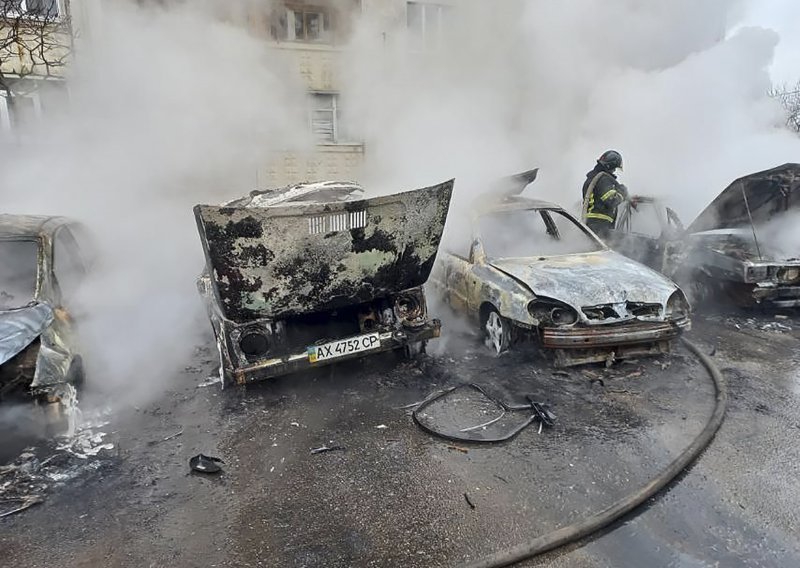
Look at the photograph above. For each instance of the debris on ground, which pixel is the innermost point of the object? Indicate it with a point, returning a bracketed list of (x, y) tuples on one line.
[(166, 439), (22, 504), (324, 449), (469, 502), (499, 429), (458, 448), (202, 463), (753, 323), (28, 479)]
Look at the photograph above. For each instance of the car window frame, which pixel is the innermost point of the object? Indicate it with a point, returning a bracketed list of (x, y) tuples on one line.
[(77, 255), (39, 284), (545, 213)]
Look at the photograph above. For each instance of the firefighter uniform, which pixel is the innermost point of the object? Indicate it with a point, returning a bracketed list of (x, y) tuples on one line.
[(602, 194)]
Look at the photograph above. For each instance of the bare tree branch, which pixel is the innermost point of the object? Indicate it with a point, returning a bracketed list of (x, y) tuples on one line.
[(789, 97), (35, 42)]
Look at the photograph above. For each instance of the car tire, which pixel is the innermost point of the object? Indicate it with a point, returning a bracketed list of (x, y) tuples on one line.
[(496, 331), (76, 376), (701, 291)]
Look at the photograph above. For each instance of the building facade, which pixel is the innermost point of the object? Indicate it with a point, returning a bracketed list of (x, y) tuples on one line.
[(312, 35)]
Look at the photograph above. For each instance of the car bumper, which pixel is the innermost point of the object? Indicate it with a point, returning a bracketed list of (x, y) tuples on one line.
[(779, 296), (299, 360), (614, 335)]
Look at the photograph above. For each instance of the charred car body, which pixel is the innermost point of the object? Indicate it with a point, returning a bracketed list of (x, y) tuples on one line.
[(42, 265), (740, 246), (316, 273), (531, 269)]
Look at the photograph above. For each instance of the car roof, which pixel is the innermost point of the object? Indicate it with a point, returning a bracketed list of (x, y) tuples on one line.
[(29, 226), (512, 203)]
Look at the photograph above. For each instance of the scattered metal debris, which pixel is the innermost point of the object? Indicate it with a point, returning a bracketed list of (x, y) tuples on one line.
[(167, 439), (25, 503), (202, 463), (325, 449), (469, 502), (458, 449)]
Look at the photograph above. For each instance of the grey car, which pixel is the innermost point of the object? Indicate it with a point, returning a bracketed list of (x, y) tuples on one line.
[(528, 270), (43, 265), (741, 247)]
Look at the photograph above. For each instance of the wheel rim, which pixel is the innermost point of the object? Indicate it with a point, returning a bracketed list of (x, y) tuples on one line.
[(494, 331)]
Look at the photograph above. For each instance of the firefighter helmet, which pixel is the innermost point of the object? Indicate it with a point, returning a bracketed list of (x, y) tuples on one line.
[(610, 160)]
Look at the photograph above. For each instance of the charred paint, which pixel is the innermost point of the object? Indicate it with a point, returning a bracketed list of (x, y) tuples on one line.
[(269, 261)]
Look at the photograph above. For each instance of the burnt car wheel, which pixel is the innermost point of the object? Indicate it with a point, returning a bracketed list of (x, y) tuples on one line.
[(413, 350), (496, 331)]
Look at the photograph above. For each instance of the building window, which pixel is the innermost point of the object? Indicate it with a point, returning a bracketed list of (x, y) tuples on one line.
[(427, 22), (37, 8), (325, 116), (19, 110), (313, 24)]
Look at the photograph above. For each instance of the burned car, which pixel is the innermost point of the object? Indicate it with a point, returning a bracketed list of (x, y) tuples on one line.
[(317, 273), (531, 270), (744, 246), (42, 267)]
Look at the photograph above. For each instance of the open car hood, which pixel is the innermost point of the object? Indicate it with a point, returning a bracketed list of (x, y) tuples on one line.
[(20, 327), (768, 193), (299, 257)]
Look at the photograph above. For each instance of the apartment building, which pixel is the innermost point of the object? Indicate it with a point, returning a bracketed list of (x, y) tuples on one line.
[(315, 35), (312, 34)]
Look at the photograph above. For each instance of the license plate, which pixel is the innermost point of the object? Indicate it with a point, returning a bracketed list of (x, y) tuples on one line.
[(343, 347)]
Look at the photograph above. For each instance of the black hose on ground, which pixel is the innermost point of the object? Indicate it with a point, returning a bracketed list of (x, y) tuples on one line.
[(590, 525)]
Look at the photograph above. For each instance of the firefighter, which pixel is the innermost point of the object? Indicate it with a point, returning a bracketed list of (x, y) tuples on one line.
[(602, 194)]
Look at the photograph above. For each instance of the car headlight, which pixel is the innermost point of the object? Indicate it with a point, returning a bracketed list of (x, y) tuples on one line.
[(409, 307), (254, 344), (548, 310), (677, 305), (787, 275), (756, 273)]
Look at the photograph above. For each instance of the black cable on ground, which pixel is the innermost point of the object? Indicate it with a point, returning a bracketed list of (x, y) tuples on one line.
[(590, 525), (539, 412)]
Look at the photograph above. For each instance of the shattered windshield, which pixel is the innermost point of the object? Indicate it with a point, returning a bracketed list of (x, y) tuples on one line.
[(533, 232), (18, 260)]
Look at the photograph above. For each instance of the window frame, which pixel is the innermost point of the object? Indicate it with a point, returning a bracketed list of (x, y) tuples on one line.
[(6, 117), (24, 13), (428, 39), (65, 240), (288, 13), (336, 119)]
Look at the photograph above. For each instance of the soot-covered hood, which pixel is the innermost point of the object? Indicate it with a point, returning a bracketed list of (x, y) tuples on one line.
[(301, 257)]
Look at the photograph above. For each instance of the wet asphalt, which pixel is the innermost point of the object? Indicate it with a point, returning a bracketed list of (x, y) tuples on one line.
[(392, 495)]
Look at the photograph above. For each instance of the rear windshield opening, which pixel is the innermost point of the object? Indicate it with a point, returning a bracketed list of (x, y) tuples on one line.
[(533, 232), (18, 262)]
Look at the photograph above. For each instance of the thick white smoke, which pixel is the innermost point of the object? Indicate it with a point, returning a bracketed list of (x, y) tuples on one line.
[(172, 107), (167, 109), (553, 84)]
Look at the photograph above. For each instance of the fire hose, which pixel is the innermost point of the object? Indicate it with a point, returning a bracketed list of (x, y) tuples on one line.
[(630, 502)]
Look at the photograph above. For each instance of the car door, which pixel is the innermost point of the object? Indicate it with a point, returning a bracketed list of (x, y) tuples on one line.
[(638, 232)]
